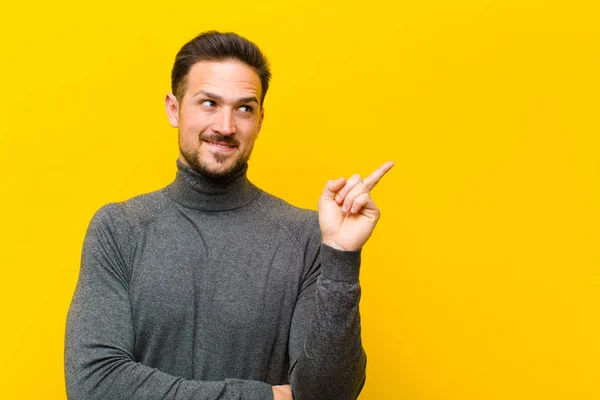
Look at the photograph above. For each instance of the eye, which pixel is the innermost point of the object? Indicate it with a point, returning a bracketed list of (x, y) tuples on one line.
[(246, 109), (208, 103)]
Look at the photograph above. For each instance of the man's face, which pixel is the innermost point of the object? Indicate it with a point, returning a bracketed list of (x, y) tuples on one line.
[(218, 118)]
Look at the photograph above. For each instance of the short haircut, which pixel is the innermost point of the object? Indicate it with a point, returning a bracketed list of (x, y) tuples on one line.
[(217, 46)]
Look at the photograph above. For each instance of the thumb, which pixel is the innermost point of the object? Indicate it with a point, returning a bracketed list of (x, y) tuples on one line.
[(332, 187)]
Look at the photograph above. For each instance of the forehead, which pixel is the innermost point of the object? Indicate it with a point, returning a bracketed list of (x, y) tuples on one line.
[(225, 78)]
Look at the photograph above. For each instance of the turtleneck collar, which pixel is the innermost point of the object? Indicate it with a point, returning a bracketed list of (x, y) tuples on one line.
[(194, 190)]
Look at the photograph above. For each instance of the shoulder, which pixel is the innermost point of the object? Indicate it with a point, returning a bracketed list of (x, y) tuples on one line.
[(294, 220), (113, 229), (129, 214)]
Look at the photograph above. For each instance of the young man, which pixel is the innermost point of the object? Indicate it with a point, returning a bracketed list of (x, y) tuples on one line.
[(211, 288)]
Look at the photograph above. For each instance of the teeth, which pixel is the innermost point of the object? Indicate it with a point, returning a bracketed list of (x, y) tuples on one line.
[(226, 146)]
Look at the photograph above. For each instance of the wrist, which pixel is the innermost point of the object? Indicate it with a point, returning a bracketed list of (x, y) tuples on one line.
[(333, 244), (340, 265)]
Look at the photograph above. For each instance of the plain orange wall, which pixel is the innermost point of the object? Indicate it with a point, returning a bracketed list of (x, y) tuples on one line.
[(482, 279)]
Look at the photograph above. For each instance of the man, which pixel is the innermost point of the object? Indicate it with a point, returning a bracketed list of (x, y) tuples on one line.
[(211, 288)]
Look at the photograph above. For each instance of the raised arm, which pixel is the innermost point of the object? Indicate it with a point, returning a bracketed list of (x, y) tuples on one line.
[(100, 339), (326, 354)]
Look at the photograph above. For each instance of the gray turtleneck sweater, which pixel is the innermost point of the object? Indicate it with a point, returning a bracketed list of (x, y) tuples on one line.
[(212, 290)]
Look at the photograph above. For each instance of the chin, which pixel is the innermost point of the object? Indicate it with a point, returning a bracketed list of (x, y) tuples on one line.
[(213, 166), (218, 173), (219, 170)]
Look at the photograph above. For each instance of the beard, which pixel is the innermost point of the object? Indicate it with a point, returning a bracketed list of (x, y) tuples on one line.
[(214, 169)]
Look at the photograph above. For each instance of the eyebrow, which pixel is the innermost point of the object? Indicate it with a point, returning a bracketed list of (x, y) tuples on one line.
[(216, 97)]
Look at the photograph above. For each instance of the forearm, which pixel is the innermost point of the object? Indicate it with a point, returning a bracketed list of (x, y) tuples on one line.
[(331, 361), (99, 363), (116, 380)]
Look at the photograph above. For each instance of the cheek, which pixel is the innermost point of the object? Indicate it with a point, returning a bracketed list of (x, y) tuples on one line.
[(191, 127), (191, 124), (248, 142), (248, 129)]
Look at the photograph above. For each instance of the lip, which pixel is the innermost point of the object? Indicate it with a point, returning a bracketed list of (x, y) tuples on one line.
[(221, 147)]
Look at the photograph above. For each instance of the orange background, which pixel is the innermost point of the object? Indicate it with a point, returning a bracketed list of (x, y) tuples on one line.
[(482, 279)]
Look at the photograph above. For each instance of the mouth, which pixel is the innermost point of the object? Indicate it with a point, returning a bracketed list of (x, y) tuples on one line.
[(221, 146)]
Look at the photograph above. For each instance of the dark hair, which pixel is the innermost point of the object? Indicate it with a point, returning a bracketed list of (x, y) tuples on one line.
[(217, 46)]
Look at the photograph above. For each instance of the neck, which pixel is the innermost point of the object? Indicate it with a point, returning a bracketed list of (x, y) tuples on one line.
[(194, 190)]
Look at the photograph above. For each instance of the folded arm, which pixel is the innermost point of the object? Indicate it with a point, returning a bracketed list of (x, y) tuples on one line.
[(100, 338)]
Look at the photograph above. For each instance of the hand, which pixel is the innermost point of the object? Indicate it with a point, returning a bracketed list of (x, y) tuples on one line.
[(347, 214), (283, 392)]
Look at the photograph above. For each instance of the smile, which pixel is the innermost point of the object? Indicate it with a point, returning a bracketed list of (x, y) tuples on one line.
[(220, 146)]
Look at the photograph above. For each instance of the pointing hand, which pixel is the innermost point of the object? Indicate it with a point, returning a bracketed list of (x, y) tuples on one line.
[(347, 214)]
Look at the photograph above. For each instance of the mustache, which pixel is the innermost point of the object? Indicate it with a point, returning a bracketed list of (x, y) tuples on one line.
[(215, 137)]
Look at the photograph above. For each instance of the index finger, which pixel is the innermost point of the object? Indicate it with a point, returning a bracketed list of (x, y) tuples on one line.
[(371, 180)]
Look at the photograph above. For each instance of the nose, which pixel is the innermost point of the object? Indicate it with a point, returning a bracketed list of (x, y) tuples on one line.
[(223, 122)]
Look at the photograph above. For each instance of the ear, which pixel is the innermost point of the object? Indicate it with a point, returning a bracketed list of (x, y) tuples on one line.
[(172, 108), (262, 118)]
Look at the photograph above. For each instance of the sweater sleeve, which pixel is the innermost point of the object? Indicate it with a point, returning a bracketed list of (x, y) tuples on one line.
[(327, 360), (100, 338)]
